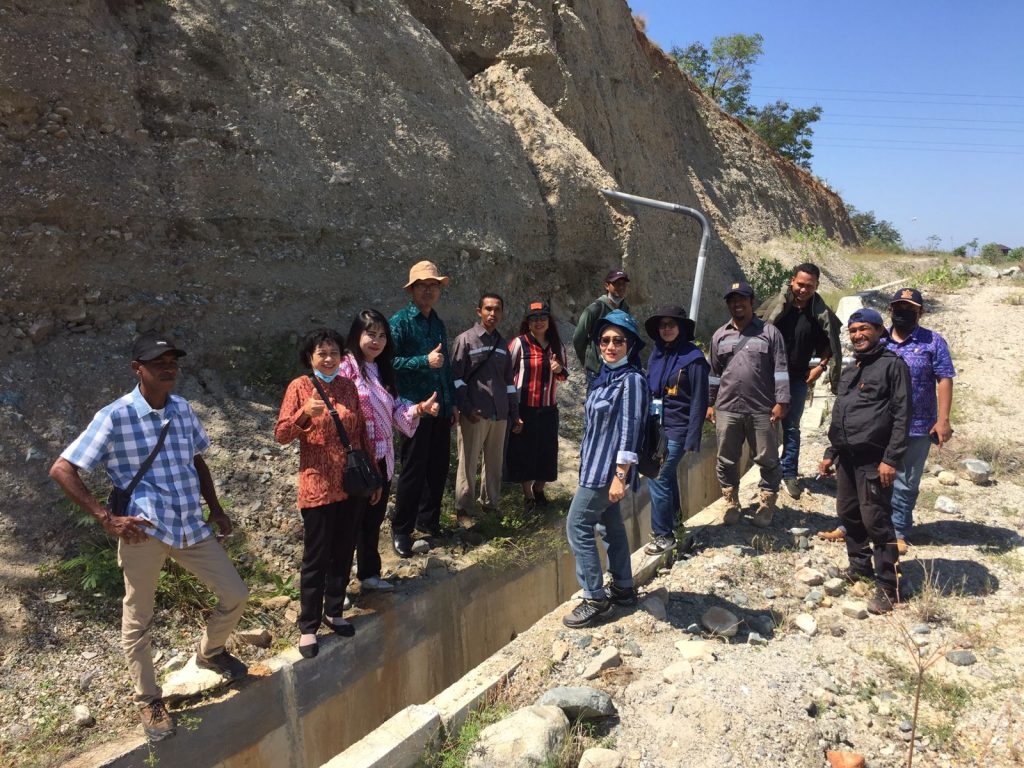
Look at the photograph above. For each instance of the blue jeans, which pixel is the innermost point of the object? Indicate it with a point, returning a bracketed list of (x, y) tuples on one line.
[(665, 492), (590, 507), (907, 484), (790, 462)]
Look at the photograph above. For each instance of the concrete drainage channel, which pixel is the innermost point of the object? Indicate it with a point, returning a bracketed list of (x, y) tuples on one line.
[(434, 648)]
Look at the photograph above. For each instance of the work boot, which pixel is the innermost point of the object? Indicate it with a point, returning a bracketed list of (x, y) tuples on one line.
[(156, 721), (765, 509), (901, 547), (732, 506), (881, 602), (838, 534)]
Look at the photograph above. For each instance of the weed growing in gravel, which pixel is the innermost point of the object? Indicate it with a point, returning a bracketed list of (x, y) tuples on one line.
[(861, 279), (997, 453), (929, 603), (457, 747), (1014, 299)]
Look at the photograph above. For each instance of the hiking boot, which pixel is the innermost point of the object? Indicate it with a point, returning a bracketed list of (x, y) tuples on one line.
[(792, 486), (839, 534), (224, 664), (881, 602), (622, 595), (732, 506), (901, 547), (765, 509), (156, 721), (587, 613), (660, 544)]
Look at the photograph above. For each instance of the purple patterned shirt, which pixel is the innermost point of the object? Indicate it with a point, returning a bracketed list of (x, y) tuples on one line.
[(927, 356)]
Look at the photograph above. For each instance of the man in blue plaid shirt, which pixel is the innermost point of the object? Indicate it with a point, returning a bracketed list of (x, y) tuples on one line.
[(164, 516)]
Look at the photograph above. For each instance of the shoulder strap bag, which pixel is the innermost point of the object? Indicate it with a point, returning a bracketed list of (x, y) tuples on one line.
[(361, 478), (117, 501)]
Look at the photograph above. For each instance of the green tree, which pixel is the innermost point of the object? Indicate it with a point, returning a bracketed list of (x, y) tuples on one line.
[(874, 232), (932, 243), (723, 73), (785, 129), (992, 253)]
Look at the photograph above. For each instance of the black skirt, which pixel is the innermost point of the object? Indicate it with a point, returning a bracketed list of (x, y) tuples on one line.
[(533, 453)]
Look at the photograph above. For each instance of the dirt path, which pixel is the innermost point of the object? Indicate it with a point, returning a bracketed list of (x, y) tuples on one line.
[(850, 685)]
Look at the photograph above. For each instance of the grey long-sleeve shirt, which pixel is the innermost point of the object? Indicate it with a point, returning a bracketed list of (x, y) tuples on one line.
[(492, 389), (753, 380)]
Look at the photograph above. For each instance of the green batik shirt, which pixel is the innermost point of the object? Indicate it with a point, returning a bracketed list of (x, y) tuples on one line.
[(415, 337)]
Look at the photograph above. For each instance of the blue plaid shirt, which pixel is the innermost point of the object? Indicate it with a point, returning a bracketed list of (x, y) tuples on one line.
[(121, 436)]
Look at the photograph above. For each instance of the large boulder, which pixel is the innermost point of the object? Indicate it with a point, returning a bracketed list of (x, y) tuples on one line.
[(525, 739)]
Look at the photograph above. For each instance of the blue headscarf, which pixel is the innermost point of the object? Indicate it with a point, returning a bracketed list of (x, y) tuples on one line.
[(625, 322)]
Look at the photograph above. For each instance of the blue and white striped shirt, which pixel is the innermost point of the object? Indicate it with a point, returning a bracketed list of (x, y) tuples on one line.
[(616, 412), (121, 436)]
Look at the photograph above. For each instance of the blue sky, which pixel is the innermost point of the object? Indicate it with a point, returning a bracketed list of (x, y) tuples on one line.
[(923, 102)]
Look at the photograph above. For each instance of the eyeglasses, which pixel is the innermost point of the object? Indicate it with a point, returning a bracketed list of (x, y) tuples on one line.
[(611, 341)]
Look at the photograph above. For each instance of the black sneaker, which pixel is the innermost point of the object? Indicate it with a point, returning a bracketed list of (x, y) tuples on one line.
[(622, 595), (540, 498), (660, 544), (792, 486), (224, 664), (587, 613), (156, 721)]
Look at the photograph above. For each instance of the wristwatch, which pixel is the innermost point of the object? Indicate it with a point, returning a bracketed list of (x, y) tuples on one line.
[(620, 474)]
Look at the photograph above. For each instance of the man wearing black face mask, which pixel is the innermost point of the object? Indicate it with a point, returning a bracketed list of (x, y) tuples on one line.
[(931, 379)]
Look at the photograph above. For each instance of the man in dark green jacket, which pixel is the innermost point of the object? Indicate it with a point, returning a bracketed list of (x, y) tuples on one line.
[(615, 282), (809, 329)]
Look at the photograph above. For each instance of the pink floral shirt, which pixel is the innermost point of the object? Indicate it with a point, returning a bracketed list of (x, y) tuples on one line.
[(381, 410)]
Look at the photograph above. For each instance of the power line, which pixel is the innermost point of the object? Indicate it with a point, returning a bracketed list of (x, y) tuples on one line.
[(910, 101), (918, 149), (913, 141), (889, 93), (827, 122), (908, 117)]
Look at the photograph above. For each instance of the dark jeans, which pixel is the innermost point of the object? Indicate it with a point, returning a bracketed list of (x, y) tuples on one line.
[(425, 457), (790, 461), (368, 537), (865, 508), (328, 541), (665, 501)]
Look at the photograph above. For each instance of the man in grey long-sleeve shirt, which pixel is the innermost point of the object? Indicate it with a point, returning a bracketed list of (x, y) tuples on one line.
[(488, 401), (749, 392)]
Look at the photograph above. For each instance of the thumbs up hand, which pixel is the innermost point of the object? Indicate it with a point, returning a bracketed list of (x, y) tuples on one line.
[(429, 407), (436, 358)]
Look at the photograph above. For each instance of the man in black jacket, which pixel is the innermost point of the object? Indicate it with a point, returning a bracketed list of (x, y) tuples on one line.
[(868, 437)]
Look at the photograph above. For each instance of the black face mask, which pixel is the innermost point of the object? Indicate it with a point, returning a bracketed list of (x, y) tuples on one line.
[(904, 318)]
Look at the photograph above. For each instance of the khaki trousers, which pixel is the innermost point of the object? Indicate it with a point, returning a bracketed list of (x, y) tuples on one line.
[(141, 563), (488, 437)]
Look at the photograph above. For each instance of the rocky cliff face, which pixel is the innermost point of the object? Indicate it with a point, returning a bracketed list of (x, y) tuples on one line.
[(239, 171)]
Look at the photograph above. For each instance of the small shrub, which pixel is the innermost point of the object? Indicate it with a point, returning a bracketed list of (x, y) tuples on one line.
[(768, 277), (97, 569), (812, 240), (861, 279), (943, 277)]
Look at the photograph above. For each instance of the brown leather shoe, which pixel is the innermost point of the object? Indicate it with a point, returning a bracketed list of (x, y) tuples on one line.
[(835, 535), (901, 547), (156, 721)]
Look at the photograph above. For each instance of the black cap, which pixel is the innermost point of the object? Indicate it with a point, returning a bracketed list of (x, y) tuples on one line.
[(686, 325), (909, 295), (538, 308), (151, 344), (616, 274), (741, 287)]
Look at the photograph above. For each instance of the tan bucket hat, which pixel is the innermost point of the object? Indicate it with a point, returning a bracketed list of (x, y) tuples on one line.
[(425, 270)]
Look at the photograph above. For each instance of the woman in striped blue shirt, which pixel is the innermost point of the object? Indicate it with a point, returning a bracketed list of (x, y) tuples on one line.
[(615, 412)]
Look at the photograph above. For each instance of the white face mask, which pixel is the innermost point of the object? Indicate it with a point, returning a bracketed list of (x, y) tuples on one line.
[(328, 379), (618, 363)]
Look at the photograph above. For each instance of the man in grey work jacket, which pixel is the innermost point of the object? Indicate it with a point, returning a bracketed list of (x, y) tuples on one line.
[(749, 393)]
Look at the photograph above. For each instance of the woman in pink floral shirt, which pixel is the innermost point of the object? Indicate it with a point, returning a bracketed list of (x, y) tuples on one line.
[(369, 365)]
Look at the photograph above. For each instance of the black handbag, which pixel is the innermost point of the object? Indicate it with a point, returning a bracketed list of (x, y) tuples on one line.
[(361, 478), (653, 447), (117, 501)]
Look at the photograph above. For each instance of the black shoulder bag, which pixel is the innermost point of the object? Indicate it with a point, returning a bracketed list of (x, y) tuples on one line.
[(117, 501), (361, 478)]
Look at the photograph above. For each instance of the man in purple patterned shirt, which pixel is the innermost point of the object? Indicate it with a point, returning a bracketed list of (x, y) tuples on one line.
[(931, 383)]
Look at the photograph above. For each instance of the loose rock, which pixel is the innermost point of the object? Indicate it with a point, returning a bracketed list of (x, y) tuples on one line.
[(83, 717), (579, 702), (947, 478), (719, 621), (855, 609), (606, 659), (947, 506), (260, 638), (677, 672), (598, 757), (809, 576), (806, 624), (961, 658), (978, 471), (525, 739)]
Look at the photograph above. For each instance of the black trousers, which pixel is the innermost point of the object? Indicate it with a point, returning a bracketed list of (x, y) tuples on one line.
[(328, 542), (368, 537), (425, 459), (865, 508)]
